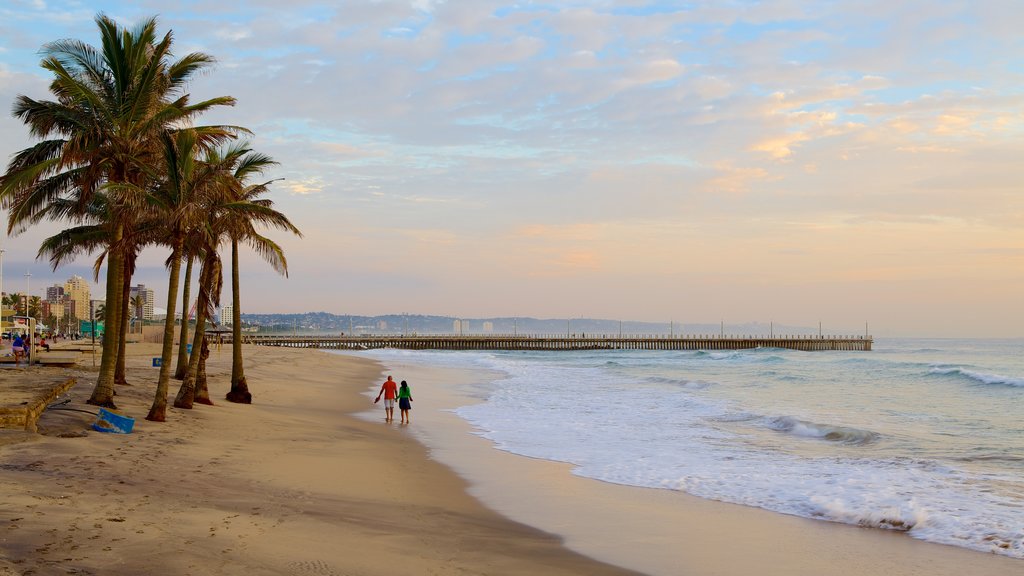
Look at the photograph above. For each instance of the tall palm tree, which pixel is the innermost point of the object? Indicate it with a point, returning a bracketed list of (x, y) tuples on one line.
[(182, 199), (228, 210), (242, 215), (89, 236), (102, 133)]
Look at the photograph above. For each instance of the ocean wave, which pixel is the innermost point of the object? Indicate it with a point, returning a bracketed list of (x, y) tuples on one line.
[(841, 434), (902, 517), (755, 355), (992, 456), (735, 417), (723, 355), (687, 384), (993, 379)]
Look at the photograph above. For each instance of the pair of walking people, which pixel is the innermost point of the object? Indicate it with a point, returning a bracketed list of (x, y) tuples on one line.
[(391, 392)]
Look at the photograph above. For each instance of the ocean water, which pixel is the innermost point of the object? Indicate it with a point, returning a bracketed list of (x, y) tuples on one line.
[(921, 436)]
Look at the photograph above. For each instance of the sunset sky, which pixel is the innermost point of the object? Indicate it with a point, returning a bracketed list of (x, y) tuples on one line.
[(741, 161)]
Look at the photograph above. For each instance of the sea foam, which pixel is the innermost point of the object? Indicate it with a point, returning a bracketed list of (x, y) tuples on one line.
[(994, 379)]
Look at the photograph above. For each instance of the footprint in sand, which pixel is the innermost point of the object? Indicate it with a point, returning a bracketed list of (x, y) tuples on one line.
[(311, 567)]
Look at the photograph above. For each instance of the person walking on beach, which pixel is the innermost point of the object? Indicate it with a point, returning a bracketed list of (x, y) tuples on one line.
[(390, 390), (404, 401)]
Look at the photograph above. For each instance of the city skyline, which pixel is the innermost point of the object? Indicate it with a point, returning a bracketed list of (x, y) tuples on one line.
[(794, 162)]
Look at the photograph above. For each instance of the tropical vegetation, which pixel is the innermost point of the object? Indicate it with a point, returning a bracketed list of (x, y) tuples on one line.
[(122, 162)]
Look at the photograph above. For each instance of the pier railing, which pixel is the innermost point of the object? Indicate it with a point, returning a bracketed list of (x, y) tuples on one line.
[(563, 342)]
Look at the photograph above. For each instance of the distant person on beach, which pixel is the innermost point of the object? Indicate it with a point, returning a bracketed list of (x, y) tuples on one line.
[(390, 390), (404, 401), (18, 348)]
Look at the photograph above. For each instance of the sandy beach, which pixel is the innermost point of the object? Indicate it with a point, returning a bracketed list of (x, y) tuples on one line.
[(293, 484), (311, 480)]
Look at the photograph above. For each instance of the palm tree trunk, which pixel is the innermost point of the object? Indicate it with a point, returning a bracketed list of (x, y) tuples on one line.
[(187, 392), (202, 390), (182, 367), (239, 392), (126, 283), (158, 412), (103, 393)]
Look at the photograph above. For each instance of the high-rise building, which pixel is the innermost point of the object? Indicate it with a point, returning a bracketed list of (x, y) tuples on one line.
[(225, 314), (77, 290), (54, 293), (144, 302)]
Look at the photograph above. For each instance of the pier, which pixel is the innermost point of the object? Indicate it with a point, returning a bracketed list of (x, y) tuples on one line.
[(563, 342)]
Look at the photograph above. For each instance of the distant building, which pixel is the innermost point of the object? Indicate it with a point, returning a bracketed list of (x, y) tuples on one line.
[(488, 327), (55, 309), (461, 326), (54, 293), (144, 307), (225, 314), (77, 290), (382, 325), (58, 306)]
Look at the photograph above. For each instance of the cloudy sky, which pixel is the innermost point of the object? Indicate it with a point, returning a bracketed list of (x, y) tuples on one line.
[(796, 162)]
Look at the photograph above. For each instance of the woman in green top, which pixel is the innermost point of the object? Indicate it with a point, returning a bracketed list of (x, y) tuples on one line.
[(404, 401)]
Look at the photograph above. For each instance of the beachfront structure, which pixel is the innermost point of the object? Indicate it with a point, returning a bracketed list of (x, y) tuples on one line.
[(55, 293), (145, 296), (77, 290), (225, 314)]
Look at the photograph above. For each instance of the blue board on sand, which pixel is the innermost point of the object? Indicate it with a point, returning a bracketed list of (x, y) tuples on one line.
[(107, 421)]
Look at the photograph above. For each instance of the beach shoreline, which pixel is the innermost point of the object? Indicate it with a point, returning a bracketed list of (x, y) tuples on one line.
[(293, 484), (311, 480), (657, 531)]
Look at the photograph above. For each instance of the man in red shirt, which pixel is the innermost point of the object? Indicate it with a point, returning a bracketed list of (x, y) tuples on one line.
[(390, 391)]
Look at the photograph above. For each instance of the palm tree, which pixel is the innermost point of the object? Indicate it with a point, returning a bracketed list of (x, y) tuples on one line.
[(89, 236), (183, 199), (137, 305), (35, 306), (102, 134), (226, 213), (246, 210), (11, 301), (17, 301)]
